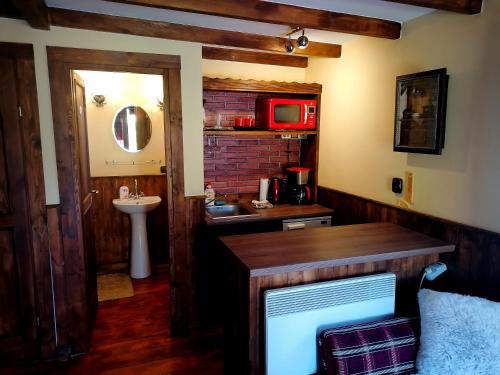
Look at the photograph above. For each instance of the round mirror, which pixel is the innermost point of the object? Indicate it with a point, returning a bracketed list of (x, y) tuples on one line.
[(132, 128)]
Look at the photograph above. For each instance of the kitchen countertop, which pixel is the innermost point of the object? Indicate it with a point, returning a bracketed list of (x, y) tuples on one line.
[(279, 252), (278, 212)]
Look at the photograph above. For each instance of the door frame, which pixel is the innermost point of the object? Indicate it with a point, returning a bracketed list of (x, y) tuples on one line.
[(41, 330), (75, 326)]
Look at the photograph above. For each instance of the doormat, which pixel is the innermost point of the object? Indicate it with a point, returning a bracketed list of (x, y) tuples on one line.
[(114, 286)]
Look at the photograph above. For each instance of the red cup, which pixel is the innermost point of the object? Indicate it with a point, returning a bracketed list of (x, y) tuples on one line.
[(252, 122), (239, 121), (247, 122)]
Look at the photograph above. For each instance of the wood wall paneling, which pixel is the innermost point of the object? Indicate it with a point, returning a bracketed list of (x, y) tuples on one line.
[(24, 248), (112, 228), (474, 266), (244, 319)]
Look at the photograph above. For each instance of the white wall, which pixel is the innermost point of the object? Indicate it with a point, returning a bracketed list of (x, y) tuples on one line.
[(122, 90), (191, 85), (357, 120)]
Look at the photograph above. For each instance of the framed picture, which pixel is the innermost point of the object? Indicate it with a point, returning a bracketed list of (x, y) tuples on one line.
[(421, 112)]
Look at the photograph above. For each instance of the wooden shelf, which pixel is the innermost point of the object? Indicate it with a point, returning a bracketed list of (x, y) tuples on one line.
[(259, 132), (228, 84)]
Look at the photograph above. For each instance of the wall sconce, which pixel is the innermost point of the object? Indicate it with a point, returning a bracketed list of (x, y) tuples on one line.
[(302, 41), (99, 100), (159, 104)]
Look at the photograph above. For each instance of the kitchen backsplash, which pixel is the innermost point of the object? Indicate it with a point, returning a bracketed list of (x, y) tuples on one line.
[(234, 164), (229, 104)]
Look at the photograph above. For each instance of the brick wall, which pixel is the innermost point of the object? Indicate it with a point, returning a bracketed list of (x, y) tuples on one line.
[(234, 164), (229, 104)]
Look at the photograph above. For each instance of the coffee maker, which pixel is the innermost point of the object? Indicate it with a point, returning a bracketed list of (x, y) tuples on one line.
[(298, 191)]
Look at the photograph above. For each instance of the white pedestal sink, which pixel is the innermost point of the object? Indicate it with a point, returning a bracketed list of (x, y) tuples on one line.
[(140, 266)]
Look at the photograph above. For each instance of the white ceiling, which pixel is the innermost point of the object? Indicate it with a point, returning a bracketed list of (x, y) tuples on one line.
[(370, 8)]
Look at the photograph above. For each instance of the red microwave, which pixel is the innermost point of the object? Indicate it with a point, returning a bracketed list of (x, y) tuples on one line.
[(285, 114)]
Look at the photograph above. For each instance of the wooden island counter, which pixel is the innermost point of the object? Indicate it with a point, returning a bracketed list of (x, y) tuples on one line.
[(262, 261)]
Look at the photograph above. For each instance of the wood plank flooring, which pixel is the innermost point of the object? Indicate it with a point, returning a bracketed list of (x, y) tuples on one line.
[(132, 336)]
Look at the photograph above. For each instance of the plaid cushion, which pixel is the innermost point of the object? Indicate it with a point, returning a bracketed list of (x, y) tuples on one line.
[(375, 348)]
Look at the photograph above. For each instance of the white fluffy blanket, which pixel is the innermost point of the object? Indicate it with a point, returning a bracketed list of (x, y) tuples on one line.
[(460, 335)]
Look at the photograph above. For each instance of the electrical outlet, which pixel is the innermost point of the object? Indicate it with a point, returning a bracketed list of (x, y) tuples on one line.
[(410, 187)]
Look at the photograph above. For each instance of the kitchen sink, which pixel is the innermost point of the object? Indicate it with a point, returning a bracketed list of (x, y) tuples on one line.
[(228, 211)]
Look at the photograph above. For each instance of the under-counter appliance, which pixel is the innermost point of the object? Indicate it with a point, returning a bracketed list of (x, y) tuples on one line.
[(285, 114), (307, 222)]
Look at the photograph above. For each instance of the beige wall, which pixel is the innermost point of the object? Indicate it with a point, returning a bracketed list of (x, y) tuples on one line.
[(462, 184), (237, 70), (121, 90), (191, 85)]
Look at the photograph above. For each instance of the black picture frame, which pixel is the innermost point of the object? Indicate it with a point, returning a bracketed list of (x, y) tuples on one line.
[(420, 115)]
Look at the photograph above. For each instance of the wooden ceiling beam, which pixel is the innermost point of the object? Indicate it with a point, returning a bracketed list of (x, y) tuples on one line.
[(156, 29), (227, 54), (282, 14), (459, 6), (33, 11)]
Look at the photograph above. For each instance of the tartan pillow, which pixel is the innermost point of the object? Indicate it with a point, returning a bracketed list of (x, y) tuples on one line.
[(376, 348)]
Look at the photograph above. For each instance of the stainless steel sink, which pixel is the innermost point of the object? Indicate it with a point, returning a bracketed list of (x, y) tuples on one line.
[(228, 211)]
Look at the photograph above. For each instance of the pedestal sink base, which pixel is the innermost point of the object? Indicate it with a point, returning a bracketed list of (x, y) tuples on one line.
[(138, 208), (140, 266)]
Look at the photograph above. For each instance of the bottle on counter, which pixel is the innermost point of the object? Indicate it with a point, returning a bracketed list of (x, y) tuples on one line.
[(209, 195)]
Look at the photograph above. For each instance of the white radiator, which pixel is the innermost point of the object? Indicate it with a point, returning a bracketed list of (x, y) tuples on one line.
[(295, 316)]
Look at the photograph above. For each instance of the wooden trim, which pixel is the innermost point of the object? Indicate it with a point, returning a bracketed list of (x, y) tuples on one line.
[(229, 84), (165, 30), (117, 59), (459, 6), (226, 54), (34, 11), (16, 51), (282, 14), (76, 328)]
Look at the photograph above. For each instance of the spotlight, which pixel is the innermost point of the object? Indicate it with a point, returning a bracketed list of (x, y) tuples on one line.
[(289, 45), (302, 41)]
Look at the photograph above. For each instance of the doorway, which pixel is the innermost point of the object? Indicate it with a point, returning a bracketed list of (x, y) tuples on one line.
[(77, 197)]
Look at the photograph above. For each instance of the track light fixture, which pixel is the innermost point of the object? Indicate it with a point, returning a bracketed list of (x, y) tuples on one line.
[(289, 45), (302, 41)]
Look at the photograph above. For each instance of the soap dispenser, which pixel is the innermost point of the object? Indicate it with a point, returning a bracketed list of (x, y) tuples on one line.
[(124, 192)]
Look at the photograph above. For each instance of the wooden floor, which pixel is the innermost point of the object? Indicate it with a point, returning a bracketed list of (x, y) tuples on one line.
[(132, 336)]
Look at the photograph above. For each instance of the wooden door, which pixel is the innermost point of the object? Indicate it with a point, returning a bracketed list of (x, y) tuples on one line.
[(18, 326), (86, 194)]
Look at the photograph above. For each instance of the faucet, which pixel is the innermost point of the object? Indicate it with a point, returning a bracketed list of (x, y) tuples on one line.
[(217, 196), (137, 193)]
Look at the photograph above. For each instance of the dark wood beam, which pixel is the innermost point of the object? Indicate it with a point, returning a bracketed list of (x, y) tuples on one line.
[(134, 26), (281, 14), (33, 11), (227, 54), (460, 6), (7, 10)]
